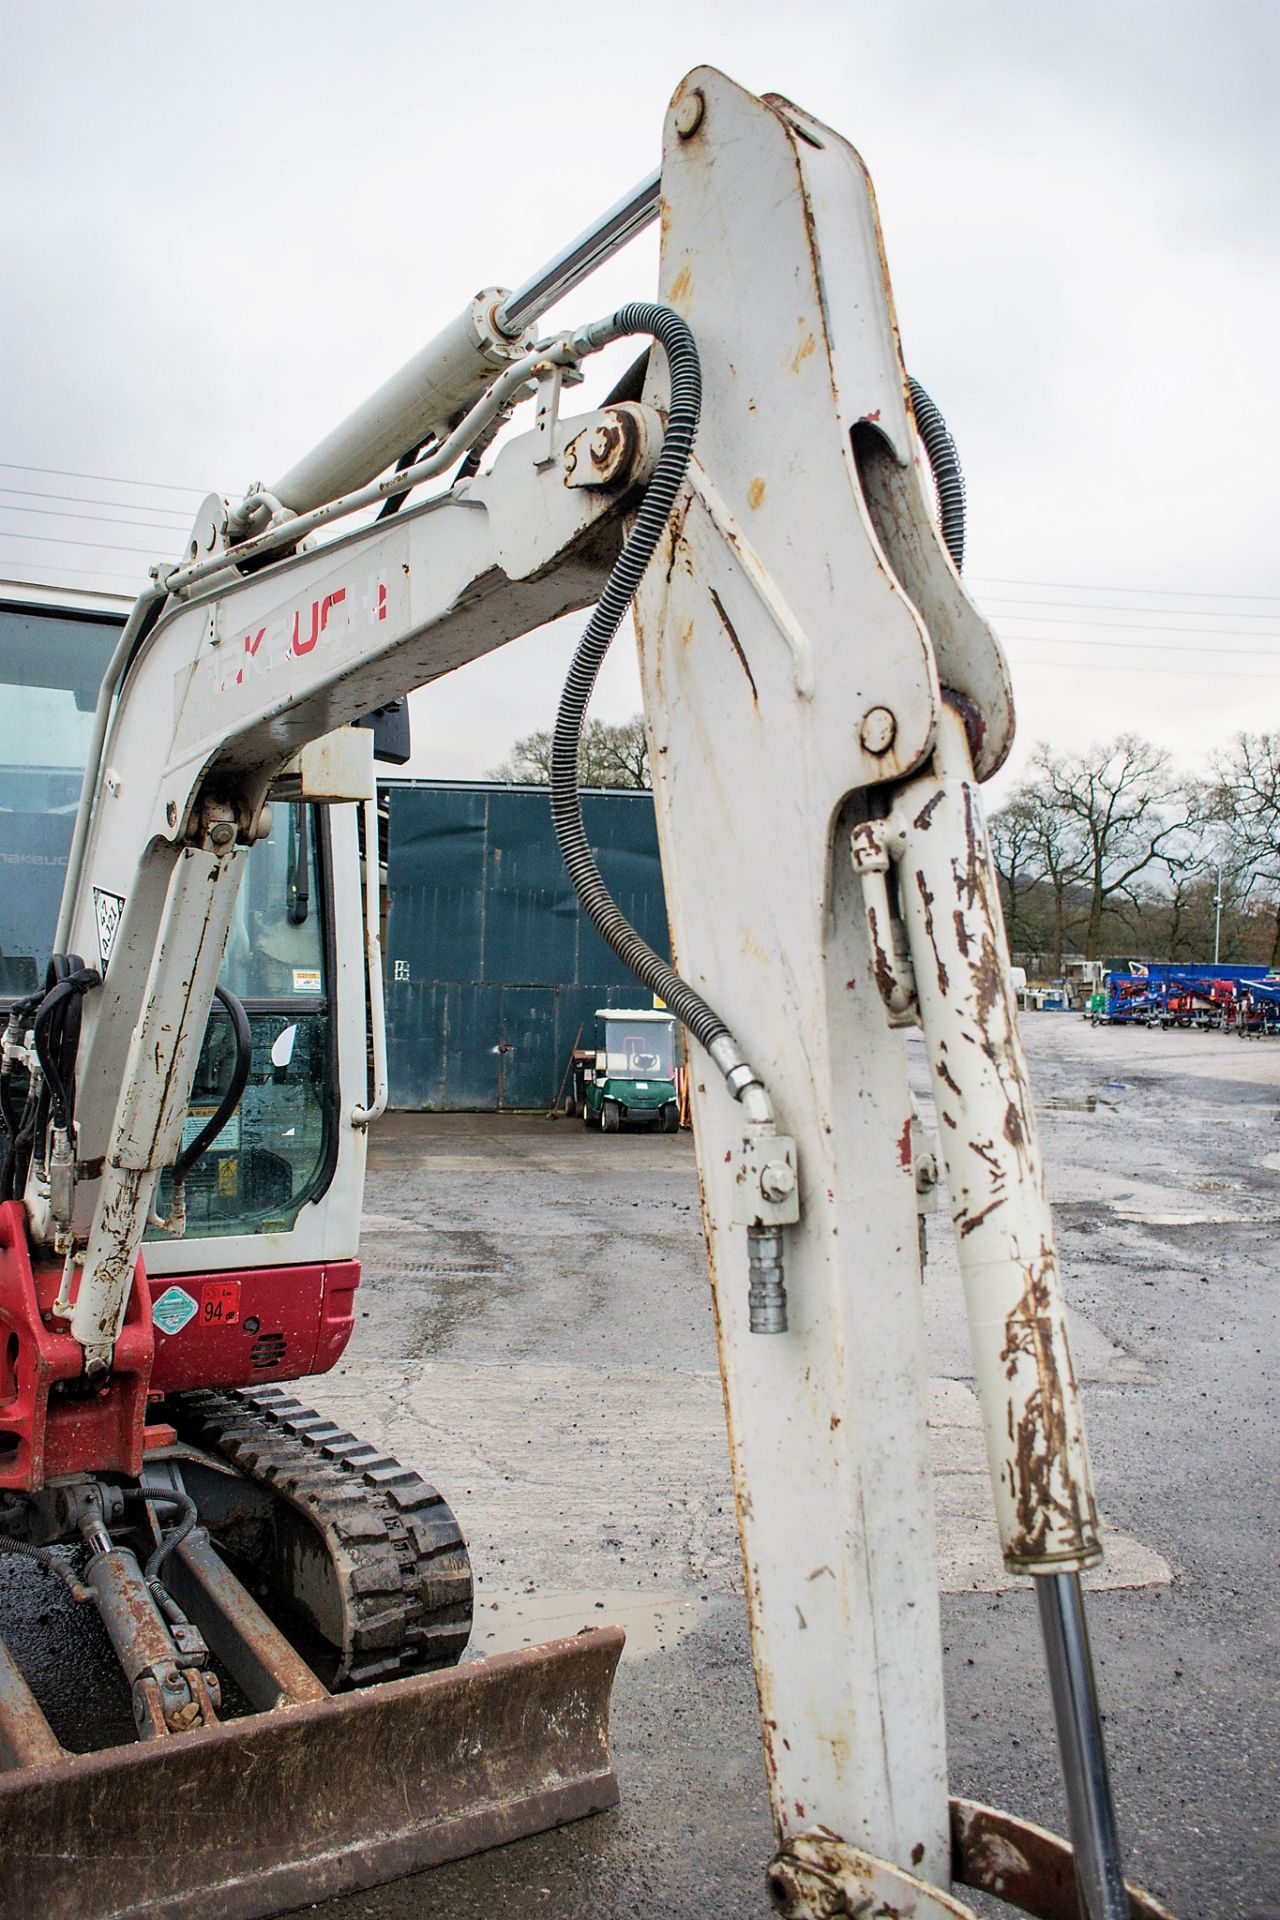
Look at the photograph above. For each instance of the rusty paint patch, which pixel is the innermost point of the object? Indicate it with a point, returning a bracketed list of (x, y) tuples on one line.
[(945, 1074), (732, 632), (1044, 1491), (883, 967), (904, 1145), (927, 811), (966, 1226), (926, 898), (755, 492), (807, 347), (681, 286), (1030, 1869)]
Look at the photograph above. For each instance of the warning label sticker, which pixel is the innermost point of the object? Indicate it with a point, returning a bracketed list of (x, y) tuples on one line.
[(107, 909), (173, 1310)]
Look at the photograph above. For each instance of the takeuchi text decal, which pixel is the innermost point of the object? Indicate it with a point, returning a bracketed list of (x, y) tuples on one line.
[(297, 631)]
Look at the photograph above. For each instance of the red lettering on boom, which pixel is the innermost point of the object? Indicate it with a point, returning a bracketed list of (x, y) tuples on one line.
[(252, 641), (320, 610)]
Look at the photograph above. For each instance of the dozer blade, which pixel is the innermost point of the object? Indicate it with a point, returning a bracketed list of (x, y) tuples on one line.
[(255, 1816)]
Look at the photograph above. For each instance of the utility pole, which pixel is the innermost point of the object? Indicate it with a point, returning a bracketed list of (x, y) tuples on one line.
[(1217, 916)]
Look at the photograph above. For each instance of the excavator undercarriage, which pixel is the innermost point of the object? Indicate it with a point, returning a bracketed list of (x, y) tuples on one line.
[(288, 1607)]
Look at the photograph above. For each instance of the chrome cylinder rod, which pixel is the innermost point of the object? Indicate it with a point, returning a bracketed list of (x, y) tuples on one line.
[(607, 236), (1090, 1810)]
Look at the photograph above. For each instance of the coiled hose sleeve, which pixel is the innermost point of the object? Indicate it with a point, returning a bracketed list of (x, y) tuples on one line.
[(702, 1021), (944, 462)]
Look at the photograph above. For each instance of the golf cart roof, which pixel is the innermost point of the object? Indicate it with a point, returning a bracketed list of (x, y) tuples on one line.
[(633, 1013)]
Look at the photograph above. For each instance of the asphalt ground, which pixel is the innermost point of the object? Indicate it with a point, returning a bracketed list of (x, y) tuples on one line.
[(535, 1336)]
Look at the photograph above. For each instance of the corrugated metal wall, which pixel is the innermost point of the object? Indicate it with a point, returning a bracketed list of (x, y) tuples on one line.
[(490, 967)]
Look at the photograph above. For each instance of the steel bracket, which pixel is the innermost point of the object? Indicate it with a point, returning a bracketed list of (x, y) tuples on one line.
[(766, 1186)]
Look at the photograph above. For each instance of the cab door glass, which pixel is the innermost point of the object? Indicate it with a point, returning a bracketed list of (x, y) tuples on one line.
[(275, 1152)]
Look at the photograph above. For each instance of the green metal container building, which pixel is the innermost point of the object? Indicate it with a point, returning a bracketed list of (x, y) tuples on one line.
[(491, 969)]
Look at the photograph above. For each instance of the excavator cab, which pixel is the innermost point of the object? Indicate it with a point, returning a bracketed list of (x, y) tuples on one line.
[(271, 1203), (251, 1557)]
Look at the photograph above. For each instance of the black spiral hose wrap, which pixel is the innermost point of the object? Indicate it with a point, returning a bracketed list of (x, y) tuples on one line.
[(944, 461), (677, 342)]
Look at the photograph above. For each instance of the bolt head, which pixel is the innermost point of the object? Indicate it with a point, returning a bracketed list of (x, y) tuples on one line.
[(777, 1180), (688, 115)]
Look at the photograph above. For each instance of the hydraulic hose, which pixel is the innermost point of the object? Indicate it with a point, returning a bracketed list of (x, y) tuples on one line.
[(56, 1042), (231, 1098), (47, 1560), (944, 463), (179, 1502), (702, 1021)]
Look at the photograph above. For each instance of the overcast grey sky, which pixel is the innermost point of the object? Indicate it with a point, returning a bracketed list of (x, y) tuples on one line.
[(222, 227)]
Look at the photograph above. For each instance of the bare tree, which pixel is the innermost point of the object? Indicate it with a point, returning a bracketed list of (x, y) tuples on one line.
[(1062, 856), (608, 756), (1125, 808), (1016, 852), (1245, 798)]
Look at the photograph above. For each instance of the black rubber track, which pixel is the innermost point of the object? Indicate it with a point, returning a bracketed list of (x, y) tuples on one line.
[(391, 1539)]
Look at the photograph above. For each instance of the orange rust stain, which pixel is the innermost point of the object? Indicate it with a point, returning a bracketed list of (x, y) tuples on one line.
[(904, 1145), (807, 346), (755, 492), (686, 634), (681, 286)]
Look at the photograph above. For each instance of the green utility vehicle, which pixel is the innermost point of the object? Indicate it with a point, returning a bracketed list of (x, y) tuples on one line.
[(631, 1073)]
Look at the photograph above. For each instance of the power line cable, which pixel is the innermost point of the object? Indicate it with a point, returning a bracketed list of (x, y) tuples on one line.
[(1144, 646), (88, 573), (1160, 672), (107, 479), (61, 540), (1098, 586), (1140, 626), (96, 519), (1102, 606), (80, 500)]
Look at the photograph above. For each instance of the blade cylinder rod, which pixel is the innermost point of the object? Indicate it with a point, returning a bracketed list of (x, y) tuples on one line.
[(1090, 1810)]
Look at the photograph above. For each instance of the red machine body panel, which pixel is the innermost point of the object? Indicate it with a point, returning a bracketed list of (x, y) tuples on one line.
[(241, 1327), (227, 1329), (50, 1422)]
